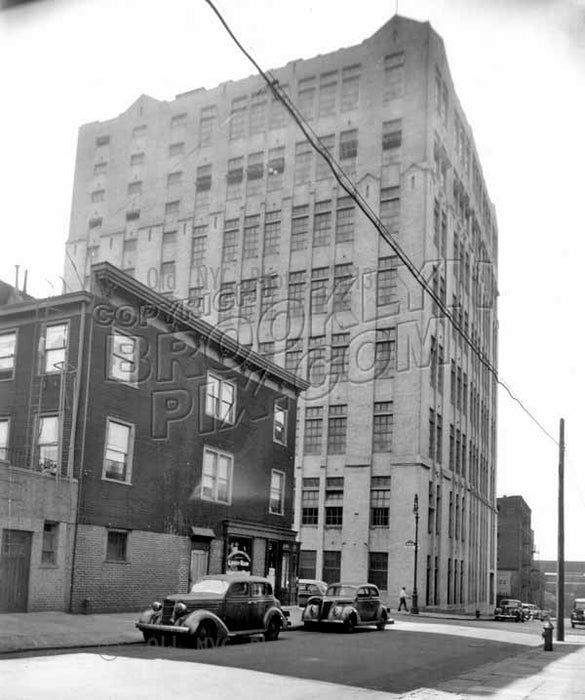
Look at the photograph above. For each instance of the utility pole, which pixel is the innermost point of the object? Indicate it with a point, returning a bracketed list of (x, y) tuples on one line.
[(561, 542), (414, 606)]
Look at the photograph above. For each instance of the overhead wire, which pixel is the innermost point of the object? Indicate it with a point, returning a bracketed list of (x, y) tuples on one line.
[(347, 184)]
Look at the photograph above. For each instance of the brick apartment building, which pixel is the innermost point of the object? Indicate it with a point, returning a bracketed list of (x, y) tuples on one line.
[(518, 574), (217, 197), (141, 449)]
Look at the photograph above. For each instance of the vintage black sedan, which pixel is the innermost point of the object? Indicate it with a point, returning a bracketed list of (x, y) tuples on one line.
[(216, 608), (578, 612), (347, 606), (509, 609)]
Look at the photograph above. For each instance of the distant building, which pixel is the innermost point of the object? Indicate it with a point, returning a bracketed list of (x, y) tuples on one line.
[(139, 449), (216, 197), (518, 577), (574, 581)]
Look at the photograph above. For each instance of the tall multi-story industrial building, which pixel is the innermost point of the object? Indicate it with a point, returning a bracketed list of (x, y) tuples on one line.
[(216, 198)]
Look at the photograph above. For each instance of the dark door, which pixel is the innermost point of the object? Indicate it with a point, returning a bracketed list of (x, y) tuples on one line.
[(14, 570)]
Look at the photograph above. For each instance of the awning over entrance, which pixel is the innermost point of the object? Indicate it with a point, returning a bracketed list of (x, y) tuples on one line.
[(202, 533)]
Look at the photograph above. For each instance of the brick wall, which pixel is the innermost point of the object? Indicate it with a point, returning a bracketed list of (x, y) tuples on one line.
[(158, 564)]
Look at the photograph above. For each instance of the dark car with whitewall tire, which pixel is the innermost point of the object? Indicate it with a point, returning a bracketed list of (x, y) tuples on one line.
[(578, 612), (216, 609), (346, 606), (509, 609)]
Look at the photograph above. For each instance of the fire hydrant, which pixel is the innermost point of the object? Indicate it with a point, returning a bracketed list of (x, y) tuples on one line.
[(547, 635)]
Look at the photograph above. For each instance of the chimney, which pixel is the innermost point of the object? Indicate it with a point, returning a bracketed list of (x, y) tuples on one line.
[(24, 282), (17, 267)]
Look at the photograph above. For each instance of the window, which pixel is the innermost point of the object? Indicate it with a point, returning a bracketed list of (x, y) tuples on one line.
[(272, 232), (7, 354), (230, 240), (278, 113), (299, 234), (206, 124), (327, 93), (337, 429), (172, 208), (4, 431), (313, 430), (178, 120), (132, 214), (118, 451), (96, 222), (322, 224), (220, 400), (343, 278), (235, 177), (216, 480), (251, 236), (331, 566), (198, 250), (310, 501), (296, 293), (339, 356), (98, 196), (238, 117), (348, 149), (280, 418), (136, 159), (176, 149), (49, 549), (323, 171), (100, 168), (316, 360), (390, 209), (393, 76), (117, 545), (292, 360), (391, 140), (378, 569), (303, 162), (319, 281), (134, 188), (345, 222), (277, 492), (123, 354), (258, 110), (380, 501), (175, 178), (268, 289), (102, 141), (308, 563), (55, 348), (350, 87), (255, 173), (47, 443), (248, 295), (385, 352), (306, 97), (275, 168), (386, 282), (334, 501), (267, 350), (383, 426)]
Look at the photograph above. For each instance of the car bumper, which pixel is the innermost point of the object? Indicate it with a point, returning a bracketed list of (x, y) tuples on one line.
[(162, 629)]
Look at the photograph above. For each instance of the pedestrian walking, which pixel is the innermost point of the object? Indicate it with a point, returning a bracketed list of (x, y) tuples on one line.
[(403, 596)]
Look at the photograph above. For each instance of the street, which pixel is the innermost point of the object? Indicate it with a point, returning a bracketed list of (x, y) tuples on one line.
[(413, 653)]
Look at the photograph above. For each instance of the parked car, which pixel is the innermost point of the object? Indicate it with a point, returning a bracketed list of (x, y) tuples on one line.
[(348, 606), (531, 611), (578, 612), (509, 609), (309, 587), (216, 608)]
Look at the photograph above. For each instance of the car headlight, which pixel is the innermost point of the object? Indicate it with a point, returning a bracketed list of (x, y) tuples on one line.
[(337, 611), (156, 606), (180, 608)]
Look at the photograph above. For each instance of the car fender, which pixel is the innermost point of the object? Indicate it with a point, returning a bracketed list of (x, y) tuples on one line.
[(381, 610), (274, 610), (349, 610), (194, 619), (149, 617)]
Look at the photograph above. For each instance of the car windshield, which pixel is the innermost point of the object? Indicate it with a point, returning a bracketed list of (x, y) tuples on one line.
[(341, 591), (579, 604), (216, 586)]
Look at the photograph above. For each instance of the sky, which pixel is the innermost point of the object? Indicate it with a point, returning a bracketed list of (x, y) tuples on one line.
[(519, 70)]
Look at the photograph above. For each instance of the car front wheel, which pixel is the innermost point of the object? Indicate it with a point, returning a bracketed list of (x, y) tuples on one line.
[(350, 624), (206, 635), (273, 629)]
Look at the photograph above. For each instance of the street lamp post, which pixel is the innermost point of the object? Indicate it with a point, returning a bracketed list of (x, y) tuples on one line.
[(414, 607)]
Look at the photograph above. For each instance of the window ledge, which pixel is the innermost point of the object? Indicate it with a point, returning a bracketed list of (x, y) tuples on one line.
[(116, 561), (116, 481)]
